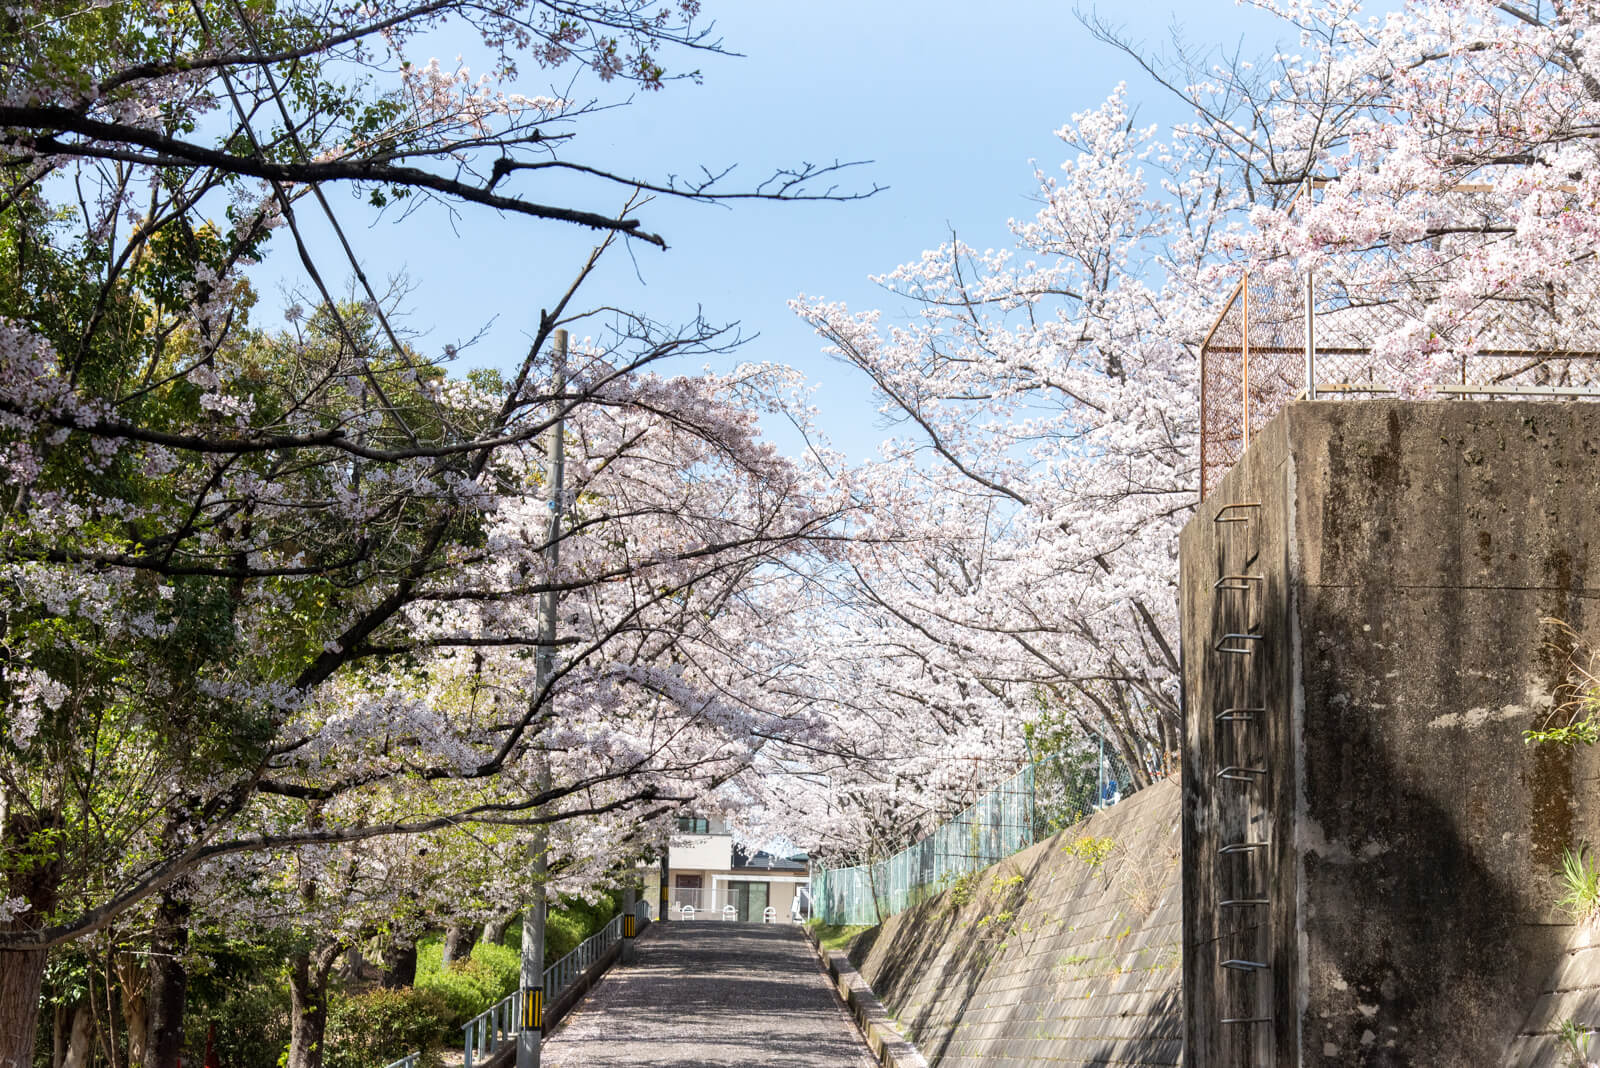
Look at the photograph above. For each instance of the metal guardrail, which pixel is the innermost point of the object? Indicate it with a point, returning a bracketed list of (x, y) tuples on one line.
[(497, 1026), (486, 1033)]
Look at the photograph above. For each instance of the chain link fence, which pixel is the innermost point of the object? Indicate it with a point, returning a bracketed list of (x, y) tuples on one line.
[(1393, 320), (1029, 807)]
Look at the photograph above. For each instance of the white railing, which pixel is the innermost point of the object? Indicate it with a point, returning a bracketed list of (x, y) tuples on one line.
[(408, 1061), (498, 1025)]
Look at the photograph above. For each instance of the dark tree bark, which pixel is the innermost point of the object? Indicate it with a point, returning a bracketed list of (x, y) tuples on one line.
[(458, 940), (494, 929), (22, 970), (80, 1043), (399, 965), (169, 984), (308, 1004)]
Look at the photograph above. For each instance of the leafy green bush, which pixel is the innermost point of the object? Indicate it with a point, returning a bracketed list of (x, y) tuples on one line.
[(573, 921), (252, 1026), (964, 888), (1092, 851), (468, 986), (378, 1027), (1575, 1043), (501, 964), (563, 933)]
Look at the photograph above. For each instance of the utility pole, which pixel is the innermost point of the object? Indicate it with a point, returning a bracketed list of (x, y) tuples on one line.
[(630, 918), (661, 909), (531, 1033)]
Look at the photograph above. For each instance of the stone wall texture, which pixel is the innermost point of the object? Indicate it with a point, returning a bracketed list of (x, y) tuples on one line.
[(1057, 956), (1370, 849)]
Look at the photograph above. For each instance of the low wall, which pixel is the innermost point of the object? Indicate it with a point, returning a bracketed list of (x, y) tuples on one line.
[(1067, 952)]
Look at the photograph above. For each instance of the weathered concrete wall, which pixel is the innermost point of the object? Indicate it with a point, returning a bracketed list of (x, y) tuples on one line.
[(1395, 840), (1051, 959)]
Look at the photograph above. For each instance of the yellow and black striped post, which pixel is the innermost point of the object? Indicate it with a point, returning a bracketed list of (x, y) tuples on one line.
[(533, 1008)]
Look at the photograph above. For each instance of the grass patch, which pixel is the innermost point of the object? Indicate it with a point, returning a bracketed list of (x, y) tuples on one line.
[(836, 935), (1580, 879)]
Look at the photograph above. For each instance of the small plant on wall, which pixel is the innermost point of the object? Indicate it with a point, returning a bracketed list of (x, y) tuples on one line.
[(1575, 719), (1580, 881), (1092, 851), (1575, 1044)]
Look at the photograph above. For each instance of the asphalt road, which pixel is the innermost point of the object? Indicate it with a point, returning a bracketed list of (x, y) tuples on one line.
[(711, 993)]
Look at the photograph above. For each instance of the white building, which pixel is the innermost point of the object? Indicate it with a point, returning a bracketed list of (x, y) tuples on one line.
[(708, 878)]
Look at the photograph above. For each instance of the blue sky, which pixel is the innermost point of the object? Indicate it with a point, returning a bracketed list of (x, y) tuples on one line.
[(950, 100)]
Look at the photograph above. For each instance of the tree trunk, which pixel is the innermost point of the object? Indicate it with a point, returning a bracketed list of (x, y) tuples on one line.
[(308, 1004), (80, 1045), (136, 1024), (21, 976), (494, 928), (22, 970), (134, 981), (399, 966), (169, 986), (458, 939), (352, 965)]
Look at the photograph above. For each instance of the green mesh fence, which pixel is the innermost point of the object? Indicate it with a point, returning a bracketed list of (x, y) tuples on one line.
[(1030, 806)]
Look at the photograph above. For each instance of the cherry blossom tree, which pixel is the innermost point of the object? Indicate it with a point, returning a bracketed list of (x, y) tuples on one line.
[(230, 553), (1432, 169), (1429, 168), (1023, 552)]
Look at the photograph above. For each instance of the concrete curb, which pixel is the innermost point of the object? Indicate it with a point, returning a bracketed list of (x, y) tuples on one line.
[(889, 1046)]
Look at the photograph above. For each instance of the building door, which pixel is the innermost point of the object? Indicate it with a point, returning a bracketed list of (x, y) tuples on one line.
[(751, 900)]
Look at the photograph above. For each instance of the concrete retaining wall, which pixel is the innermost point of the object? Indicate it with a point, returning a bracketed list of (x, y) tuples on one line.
[(1053, 956), (1370, 847)]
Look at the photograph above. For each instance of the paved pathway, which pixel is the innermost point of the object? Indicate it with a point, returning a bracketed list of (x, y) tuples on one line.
[(743, 994)]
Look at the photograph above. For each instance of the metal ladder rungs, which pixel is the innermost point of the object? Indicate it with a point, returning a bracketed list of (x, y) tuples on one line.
[(1243, 713), (1222, 515), (1222, 645), (1239, 774), (1236, 583), (1242, 902), (1246, 965), (1245, 1019), (1240, 847)]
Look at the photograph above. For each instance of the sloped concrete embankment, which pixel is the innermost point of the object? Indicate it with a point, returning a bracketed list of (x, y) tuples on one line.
[(1067, 952)]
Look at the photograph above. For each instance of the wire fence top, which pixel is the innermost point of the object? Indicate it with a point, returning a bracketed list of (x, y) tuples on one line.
[(1384, 320), (1029, 807)]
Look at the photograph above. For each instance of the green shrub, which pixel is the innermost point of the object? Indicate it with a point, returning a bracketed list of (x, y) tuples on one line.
[(378, 1027), (1575, 1043), (468, 986), (1092, 851), (573, 921), (252, 1026), (501, 964), (964, 889), (563, 933)]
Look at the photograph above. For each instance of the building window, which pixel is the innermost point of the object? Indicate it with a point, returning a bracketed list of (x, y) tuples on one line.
[(694, 825)]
